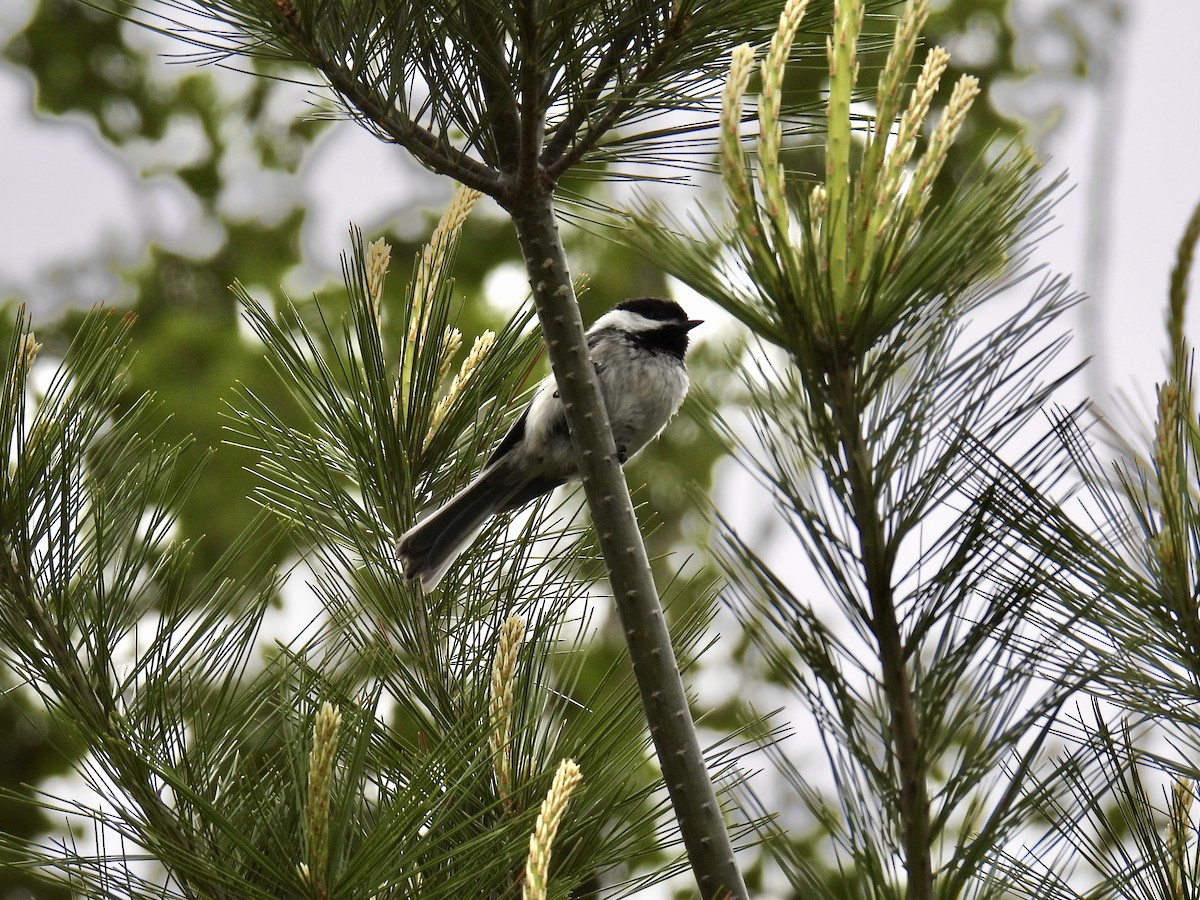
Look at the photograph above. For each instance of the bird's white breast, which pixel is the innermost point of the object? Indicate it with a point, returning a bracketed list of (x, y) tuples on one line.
[(642, 393)]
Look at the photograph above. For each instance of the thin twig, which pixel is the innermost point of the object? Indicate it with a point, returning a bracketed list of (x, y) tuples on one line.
[(430, 150), (624, 98), (500, 103), (565, 131)]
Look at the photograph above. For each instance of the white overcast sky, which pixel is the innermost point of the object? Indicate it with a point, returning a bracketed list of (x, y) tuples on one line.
[(64, 195)]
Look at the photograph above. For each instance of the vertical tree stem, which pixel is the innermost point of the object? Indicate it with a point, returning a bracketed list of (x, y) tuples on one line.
[(877, 562), (671, 728)]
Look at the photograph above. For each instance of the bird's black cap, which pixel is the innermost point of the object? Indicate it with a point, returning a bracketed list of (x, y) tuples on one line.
[(655, 308)]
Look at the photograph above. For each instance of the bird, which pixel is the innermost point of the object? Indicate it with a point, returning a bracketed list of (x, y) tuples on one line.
[(638, 349)]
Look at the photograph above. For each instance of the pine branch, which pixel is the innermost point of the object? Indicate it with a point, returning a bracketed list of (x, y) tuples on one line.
[(433, 152), (62, 545), (663, 697), (877, 559), (866, 437), (306, 480)]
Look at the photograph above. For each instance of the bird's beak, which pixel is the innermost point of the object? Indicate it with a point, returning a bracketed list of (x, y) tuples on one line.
[(692, 323)]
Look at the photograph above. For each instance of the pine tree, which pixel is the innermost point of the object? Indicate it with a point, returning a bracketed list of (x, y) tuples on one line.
[(450, 745)]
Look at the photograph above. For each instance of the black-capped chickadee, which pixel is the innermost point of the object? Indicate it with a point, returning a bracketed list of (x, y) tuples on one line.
[(637, 348)]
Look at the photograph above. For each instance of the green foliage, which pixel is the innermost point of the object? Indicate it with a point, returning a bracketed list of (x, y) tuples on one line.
[(1118, 591), (87, 62), (961, 627), (190, 353), (89, 567), (919, 661), (591, 67), (198, 740)]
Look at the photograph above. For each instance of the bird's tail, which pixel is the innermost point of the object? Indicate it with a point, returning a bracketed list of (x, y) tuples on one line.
[(429, 548)]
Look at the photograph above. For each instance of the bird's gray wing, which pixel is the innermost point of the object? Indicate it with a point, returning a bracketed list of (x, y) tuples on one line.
[(516, 433)]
